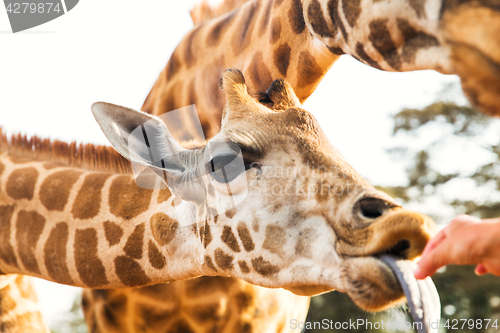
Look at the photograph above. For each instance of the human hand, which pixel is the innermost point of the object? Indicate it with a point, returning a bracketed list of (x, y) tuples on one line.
[(465, 241)]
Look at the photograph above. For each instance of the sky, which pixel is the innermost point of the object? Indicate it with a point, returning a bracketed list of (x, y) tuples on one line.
[(114, 50)]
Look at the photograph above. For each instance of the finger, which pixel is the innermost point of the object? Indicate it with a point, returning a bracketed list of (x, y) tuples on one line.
[(480, 270), (433, 260)]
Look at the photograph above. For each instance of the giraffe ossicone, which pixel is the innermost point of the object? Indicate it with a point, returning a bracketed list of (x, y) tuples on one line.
[(308, 234)]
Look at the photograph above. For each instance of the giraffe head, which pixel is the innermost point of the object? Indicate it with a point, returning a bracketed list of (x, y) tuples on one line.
[(292, 213)]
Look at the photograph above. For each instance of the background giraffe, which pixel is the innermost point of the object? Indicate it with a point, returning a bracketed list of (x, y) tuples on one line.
[(43, 193)]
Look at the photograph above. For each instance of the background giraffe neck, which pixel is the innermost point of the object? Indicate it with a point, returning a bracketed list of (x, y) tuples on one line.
[(89, 228), (265, 39)]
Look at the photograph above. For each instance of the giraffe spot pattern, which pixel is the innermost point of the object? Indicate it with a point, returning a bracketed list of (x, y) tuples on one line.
[(7, 303), (414, 40), (189, 55), (223, 260), (153, 318), (229, 239), (333, 11), (205, 234), (130, 272), (275, 239), (281, 58), (50, 166), (244, 267), (181, 326), (173, 66), (209, 263), (218, 29), (255, 224), (88, 264), (381, 40), (109, 316), (163, 228), (244, 327), (21, 183), (309, 70), (296, 17), (231, 212), (29, 227), (263, 267), (156, 259), (246, 238), (206, 312), (243, 32), (317, 19), (88, 199), (335, 50), (113, 232), (55, 189), (55, 254), (419, 7), (133, 246), (352, 10), (259, 73), (2, 168), (275, 33), (360, 50), (6, 250), (128, 200), (266, 18)]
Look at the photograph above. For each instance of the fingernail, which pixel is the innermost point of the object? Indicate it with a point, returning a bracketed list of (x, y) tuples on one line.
[(418, 273)]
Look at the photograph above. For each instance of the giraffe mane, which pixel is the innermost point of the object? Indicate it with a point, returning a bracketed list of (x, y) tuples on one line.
[(85, 156), (203, 11)]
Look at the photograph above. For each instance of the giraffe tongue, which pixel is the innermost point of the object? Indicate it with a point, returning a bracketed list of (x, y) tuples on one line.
[(422, 296)]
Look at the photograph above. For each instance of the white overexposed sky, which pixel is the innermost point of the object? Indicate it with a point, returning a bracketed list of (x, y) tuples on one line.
[(114, 50)]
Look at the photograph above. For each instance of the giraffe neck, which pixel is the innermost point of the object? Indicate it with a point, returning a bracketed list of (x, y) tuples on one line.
[(89, 228), (265, 39)]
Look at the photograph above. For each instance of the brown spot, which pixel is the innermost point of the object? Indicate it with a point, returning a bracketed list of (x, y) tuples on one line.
[(244, 267), (223, 260), (206, 312), (55, 254), (275, 239), (414, 40), (317, 19), (156, 259), (218, 29), (309, 70), (163, 228), (243, 32), (133, 247), (419, 7), (88, 264), (2, 168), (333, 11), (335, 50), (21, 183), (109, 316), (281, 58), (244, 327), (266, 17), (29, 227), (277, 3), (263, 267), (6, 250), (173, 66), (360, 50), (180, 326), (231, 212), (352, 9), (229, 238), (209, 263), (255, 224), (205, 234), (296, 17), (130, 272), (381, 39), (7, 302), (246, 238), (50, 166), (55, 189), (88, 200), (259, 73), (275, 30), (126, 199), (189, 55), (113, 232)]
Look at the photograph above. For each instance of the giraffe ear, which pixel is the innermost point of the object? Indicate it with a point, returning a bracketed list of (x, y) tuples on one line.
[(282, 95), (239, 102), (140, 138)]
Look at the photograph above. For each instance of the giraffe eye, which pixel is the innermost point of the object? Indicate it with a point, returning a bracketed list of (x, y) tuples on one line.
[(225, 168)]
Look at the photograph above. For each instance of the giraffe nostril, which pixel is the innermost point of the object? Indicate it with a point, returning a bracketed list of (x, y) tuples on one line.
[(371, 208)]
